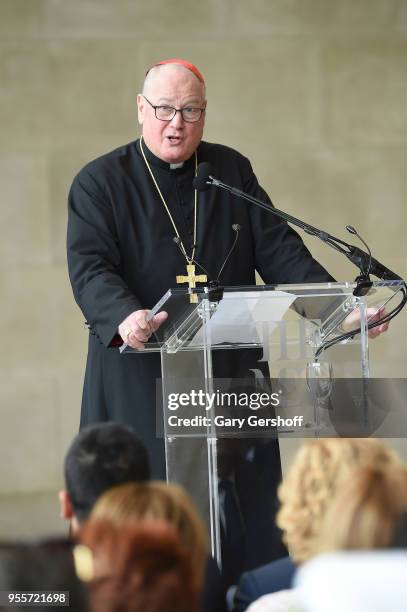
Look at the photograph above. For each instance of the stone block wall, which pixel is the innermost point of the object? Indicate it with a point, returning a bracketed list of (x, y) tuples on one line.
[(313, 91)]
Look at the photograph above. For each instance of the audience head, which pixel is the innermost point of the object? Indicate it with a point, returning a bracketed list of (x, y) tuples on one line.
[(157, 501), (319, 469), (100, 456), (366, 510), (139, 567), (45, 566)]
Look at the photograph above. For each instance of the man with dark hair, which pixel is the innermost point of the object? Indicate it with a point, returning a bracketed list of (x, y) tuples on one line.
[(100, 457)]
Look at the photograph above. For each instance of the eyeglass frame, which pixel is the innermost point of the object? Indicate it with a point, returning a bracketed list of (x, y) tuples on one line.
[(176, 110)]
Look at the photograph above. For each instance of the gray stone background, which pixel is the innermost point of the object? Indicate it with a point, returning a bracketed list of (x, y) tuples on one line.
[(314, 92)]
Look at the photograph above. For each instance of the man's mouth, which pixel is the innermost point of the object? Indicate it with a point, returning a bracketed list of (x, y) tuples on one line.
[(174, 139)]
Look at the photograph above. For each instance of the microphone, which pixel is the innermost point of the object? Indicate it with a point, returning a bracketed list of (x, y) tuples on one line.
[(236, 228), (202, 180), (363, 282), (352, 231)]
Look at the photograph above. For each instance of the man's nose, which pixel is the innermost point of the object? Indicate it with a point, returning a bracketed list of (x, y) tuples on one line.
[(177, 120)]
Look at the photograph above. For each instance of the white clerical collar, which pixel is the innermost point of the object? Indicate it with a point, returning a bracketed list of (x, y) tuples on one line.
[(175, 166)]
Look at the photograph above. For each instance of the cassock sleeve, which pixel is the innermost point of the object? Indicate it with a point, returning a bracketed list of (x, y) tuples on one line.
[(94, 258)]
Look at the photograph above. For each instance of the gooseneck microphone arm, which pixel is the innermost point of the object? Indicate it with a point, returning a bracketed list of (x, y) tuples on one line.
[(364, 261)]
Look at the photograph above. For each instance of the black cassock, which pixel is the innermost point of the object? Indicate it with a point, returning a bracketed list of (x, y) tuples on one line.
[(122, 257)]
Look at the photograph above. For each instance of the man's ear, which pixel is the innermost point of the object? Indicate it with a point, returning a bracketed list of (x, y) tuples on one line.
[(65, 505), (141, 105)]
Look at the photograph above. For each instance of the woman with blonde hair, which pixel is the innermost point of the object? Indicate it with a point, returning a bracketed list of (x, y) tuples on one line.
[(363, 569), (320, 469), (366, 511)]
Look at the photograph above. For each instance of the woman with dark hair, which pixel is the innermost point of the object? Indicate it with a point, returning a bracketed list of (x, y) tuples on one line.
[(159, 501), (141, 567)]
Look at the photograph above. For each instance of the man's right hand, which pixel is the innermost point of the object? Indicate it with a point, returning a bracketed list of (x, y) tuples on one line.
[(135, 330)]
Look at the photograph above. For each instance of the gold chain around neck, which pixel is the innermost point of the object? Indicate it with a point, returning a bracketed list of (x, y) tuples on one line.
[(188, 259)]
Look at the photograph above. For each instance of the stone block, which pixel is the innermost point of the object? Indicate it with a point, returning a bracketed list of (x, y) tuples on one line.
[(65, 94), (28, 443), (41, 323), (93, 86), (127, 18), (310, 17), (365, 91), (31, 516), (21, 19), (401, 16), (24, 213), (26, 105)]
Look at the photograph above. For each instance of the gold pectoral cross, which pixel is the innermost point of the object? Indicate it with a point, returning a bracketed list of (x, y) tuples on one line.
[(192, 279)]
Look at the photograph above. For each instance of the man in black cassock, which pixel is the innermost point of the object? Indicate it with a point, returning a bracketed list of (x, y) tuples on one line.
[(126, 207)]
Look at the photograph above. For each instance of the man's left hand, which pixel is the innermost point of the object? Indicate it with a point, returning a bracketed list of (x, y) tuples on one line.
[(352, 321)]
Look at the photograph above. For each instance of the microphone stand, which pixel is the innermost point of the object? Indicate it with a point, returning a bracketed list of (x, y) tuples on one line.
[(364, 261), (360, 258)]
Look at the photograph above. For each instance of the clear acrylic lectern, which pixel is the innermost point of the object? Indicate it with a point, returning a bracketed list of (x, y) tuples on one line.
[(288, 331)]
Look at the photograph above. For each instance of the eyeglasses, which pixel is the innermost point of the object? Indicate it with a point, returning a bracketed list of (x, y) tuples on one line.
[(167, 113)]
